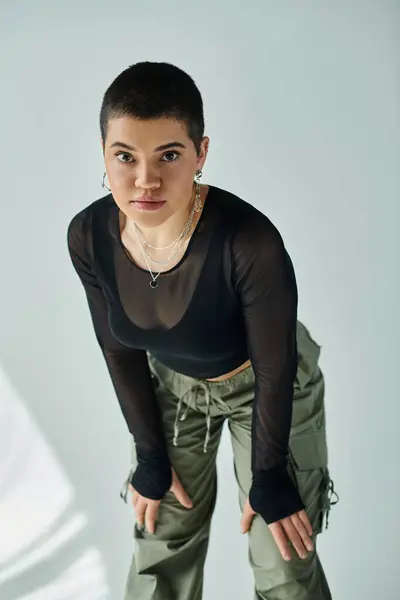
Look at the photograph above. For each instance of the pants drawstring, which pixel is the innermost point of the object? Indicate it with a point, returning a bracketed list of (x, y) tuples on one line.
[(208, 421), (181, 417), (329, 502), (124, 490)]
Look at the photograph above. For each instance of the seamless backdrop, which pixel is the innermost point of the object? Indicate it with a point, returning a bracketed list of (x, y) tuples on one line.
[(302, 108)]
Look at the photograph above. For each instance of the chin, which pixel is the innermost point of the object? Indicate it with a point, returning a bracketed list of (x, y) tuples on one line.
[(147, 218)]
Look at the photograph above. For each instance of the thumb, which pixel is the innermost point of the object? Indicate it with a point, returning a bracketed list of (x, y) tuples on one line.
[(179, 492), (247, 517)]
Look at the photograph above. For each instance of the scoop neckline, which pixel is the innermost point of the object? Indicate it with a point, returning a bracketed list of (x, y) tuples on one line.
[(185, 254)]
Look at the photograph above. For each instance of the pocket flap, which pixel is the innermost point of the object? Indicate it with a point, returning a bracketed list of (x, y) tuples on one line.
[(309, 450)]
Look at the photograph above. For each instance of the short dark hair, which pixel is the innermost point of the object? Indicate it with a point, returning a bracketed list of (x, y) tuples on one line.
[(151, 90)]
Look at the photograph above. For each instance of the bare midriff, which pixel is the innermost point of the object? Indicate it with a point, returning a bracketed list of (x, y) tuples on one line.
[(232, 373)]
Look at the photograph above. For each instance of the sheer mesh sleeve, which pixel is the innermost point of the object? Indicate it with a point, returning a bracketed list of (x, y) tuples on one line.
[(265, 282), (130, 375)]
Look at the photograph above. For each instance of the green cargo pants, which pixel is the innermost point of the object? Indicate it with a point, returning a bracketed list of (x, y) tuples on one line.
[(168, 565)]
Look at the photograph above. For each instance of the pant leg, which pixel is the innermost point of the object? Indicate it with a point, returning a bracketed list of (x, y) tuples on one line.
[(276, 579), (169, 564)]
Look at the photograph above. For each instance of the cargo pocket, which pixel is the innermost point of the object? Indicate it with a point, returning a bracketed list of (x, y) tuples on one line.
[(308, 459), (308, 353)]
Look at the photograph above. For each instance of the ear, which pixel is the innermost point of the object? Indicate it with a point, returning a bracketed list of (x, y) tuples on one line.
[(205, 142)]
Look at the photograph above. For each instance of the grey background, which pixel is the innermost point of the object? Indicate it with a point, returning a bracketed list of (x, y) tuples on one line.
[(302, 108)]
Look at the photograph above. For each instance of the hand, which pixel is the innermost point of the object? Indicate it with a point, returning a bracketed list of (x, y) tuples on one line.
[(295, 529), (146, 510)]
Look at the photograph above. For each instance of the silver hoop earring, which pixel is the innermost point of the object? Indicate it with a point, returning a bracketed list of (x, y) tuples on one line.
[(103, 185)]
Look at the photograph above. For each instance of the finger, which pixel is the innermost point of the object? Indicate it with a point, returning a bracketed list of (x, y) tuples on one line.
[(180, 494), (140, 511), (302, 531), (294, 537), (245, 522), (247, 517), (281, 539), (151, 516), (304, 518)]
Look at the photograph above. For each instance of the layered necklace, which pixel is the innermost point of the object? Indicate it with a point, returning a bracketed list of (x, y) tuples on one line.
[(175, 246)]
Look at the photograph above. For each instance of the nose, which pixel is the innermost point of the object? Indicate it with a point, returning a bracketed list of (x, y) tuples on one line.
[(146, 177)]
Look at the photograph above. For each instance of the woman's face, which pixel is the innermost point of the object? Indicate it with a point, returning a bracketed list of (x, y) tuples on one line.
[(152, 159)]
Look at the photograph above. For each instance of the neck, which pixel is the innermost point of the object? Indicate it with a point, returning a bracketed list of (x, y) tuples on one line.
[(168, 231)]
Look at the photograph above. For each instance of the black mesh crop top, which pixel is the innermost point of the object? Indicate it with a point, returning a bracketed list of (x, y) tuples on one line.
[(233, 296)]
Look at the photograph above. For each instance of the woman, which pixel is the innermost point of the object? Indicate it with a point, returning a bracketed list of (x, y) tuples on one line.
[(193, 300)]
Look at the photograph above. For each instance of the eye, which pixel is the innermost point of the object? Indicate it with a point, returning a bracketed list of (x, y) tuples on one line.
[(169, 154), (123, 154)]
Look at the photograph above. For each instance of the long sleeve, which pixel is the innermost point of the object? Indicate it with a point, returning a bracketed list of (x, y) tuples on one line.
[(130, 375), (266, 285)]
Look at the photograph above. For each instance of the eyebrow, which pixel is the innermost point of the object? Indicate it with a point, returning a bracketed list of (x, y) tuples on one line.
[(158, 149)]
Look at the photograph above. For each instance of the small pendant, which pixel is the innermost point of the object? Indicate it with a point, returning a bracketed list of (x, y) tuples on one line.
[(153, 284)]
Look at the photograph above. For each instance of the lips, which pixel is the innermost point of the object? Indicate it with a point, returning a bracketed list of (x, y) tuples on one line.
[(148, 199), (148, 203)]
